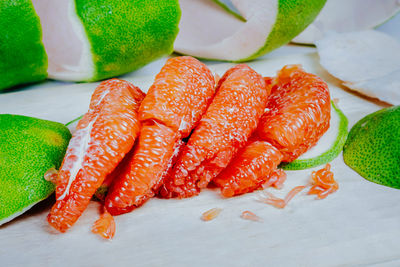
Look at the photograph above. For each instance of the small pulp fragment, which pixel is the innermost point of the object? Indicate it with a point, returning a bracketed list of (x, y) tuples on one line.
[(211, 214)]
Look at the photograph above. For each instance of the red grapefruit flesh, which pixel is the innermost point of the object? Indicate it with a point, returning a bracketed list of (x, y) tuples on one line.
[(144, 170), (174, 105), (103, 136), (298, 112), (179, 95), (227, 124), (249, 170)]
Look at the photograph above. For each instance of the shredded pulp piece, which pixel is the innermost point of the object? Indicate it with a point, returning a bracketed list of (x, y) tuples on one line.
[(248, 215), (279, 202), (323, 182), (104, 226), (211, 214)]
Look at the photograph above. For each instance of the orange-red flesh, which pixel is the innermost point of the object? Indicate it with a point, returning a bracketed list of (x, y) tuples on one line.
[(298, 112), (103, 136), (279, 202), (173, 106), (179, 95), (104, 226), (225, 127), (276, 179), (250, 169), (211, 214), (248, 215), (144, 170), (323, 182)]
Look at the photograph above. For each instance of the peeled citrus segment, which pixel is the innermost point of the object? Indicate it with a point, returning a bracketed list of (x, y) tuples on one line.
[(93, 40), (225, 127), (298, 112), (23, 58), (103, 137), (144, 170), (220, 35), (328, 147), (173, 106), (366, 61), (348, 16), (179, 95), (29, 147), (373, 147), (249, 169)]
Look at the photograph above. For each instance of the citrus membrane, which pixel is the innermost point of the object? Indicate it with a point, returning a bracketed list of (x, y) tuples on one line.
[(328, 147)]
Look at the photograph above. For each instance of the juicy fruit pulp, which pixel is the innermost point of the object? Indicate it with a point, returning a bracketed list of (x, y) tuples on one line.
[(298, 112), (228, 122), (249, 170), (323, 182), (373, 147), (173, 106), (328, 147), (29, 147), (103, 137), (23, 58)]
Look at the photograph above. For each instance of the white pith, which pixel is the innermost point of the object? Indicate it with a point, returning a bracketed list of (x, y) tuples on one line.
[(366, 61), (347, 16), (65, 40), (327, 140), (80, 144), (220, 35)]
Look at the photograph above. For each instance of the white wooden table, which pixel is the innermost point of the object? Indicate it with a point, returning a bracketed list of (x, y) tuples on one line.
[(358, 225)]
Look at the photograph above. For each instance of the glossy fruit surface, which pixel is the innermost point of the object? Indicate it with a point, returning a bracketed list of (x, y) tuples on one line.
[(225, 127), (298, 112), (103, 136), (249, 170), (173, 106)]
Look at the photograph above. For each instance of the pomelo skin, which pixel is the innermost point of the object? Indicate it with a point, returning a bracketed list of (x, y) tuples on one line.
[(288, 23), (28, 148), (22, 54), (373, 147), (116, 47)]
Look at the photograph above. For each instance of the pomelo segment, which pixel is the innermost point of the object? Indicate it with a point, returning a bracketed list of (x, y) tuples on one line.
[(348, 16), (173, 106), (328, 147), (143, 170), (298, 112), (23, 58), (225, 127), (208, 31), (373, 147), (250, 169), (93, 40), (29, 147), (103, 136)]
